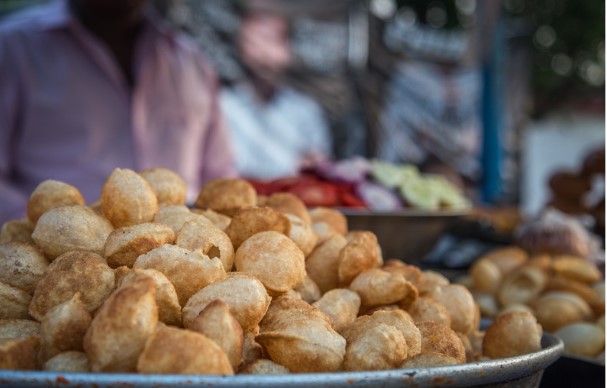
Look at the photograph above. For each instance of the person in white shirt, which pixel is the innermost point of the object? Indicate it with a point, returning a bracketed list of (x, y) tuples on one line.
[(274, 128)]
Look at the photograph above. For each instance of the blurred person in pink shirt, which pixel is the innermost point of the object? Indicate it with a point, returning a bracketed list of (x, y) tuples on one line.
[(90, 85)]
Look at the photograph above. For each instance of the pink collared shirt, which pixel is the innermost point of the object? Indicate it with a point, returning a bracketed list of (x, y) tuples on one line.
[(67, 113)]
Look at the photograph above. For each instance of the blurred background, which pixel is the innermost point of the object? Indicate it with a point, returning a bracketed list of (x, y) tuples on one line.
[(518, 83)]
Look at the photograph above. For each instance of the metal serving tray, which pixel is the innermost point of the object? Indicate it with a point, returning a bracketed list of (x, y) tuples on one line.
[(520, 371)]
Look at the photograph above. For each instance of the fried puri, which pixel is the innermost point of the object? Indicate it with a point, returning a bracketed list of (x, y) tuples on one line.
[(168, 186), (245, 295), (128, 199), (226, 196), (212, 241), (170, 350), (21, 265), (49, 194), (119, 331), (124, 245), (68, 274), (272, 258), (71, 228), (189, 271)]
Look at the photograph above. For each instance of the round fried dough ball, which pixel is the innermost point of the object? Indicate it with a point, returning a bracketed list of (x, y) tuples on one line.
[(274, 259), (50, 194), (246, 296), (219, 220), (249, 221), (437, 338), (121, 327), (557, 309), (18, 354), (177, 351), (308, 290), (263, 367), (377, 287), (323, 262), (226, 196), (167, 185), (507, 259), (128, 199), (460, 304), (71, 228), (522, 285), (14, 302), (427, 309), (72, 361), (287, 203), (327, 222), (17, 231), (217, 323), (574, 268), (361, 253), (382, 347), (340, 305), (486, 276), (213, 242), (189, 271), (512, 334), (302, 234), (582, 339), (70, 273), (176, 216), (19, 328), (21, 265), (63, 328), (169, 309), (124, 245)]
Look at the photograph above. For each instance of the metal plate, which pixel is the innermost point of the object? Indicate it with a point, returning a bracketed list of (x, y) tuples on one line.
[(407, 234), (522, 371)]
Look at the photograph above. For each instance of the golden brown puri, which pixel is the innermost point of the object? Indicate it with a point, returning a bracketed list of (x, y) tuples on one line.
[(263, 367), (128, 199), (49, 194), (169, 309), (302, 234), (177, 215), (189, 271), (18, 353), (556, 309), (71, 228), (341, 307), (170, 350), (219, 220), (460, 304), (245, 295), (249, 221), (226, 196), (72, 361), (272, 258), (212, 241), (362, 252), (377, 287), (507, 259), (437, 338), (169, 187), (327, 222), (124, 245), (17, 231), (217, 323), (486, 276), (22, 265), (381, 347), (14, 302), (19, 328), (287, 203), (299, 337), (121, 327), (308, 290), (323, 263), (512, 334), (73, 272), (583, 338), (63, 327), (522, 285), (427, 309), (574, 268)]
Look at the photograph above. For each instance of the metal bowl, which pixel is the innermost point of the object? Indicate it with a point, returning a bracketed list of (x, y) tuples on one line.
[(407, 234), (520, 371)]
